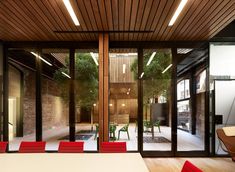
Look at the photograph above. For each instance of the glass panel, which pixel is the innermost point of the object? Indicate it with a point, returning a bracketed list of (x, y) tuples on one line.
[(21, 96), (1, 92), (183, 91), (86, 97), (123, 99), (224, 109), (222, 68), (55, 96), (157, 99), (180, 90), (184, 116), (191, 131), (186, 89)]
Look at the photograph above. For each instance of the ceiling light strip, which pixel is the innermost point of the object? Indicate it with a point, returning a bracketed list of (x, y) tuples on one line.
[(151, 58), (36, 55), (94, 58), (71, 12), (177, 12), (168, 67), (65, 74), (142, 74), (124, 68)]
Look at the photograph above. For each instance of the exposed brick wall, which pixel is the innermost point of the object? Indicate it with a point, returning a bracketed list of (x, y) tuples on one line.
[(54, 110), (200, 115)]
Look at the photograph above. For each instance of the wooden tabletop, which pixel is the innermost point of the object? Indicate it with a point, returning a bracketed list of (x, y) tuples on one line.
[(84, 162)]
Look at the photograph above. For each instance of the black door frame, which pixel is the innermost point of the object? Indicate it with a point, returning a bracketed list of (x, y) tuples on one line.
[(121, 44)]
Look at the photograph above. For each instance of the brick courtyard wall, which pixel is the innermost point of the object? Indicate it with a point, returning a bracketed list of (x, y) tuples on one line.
[(54, 109)]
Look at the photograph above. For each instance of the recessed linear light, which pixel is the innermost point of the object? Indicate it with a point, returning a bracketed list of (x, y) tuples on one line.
[(94, 58), (36, 55), (142, 74), (124, 68), (177, 12), (151, 58), (168, 67), (65, 74), (71, 12)]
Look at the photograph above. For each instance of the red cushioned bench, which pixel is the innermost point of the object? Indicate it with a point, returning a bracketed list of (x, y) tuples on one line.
[(32, 147), (71, 147), (3, 147), (113, 147)]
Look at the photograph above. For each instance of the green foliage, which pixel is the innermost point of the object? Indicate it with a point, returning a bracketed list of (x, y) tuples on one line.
[(155, 82), (86, 80)]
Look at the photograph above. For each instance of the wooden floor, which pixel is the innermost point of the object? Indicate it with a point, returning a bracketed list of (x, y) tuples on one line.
[(175, 164)]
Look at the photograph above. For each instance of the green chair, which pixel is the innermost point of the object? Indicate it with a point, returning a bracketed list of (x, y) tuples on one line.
[(112, 130), (157, 124), (147, 125), (124, 129)]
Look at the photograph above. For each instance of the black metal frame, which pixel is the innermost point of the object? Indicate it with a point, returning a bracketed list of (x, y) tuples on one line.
[(94, 45)]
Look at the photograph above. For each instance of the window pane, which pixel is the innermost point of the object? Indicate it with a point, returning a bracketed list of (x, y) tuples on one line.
[(21, 100), (123, 106), (157, 100), (55, 97), (86, 97)]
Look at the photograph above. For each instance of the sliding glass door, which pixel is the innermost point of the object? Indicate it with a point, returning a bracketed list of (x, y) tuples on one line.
[(123, 97), (157, 100)]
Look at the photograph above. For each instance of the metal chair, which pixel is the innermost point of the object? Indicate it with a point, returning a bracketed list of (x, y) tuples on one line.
[(124, 129)]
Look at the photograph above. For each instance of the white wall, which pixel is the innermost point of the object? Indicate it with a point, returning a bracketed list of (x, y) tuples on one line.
[(224, 105), (225, 100), (222, 60)]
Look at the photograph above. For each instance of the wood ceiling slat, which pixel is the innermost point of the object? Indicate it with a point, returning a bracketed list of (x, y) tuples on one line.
[(41, 17), (199, 18), (32, 20), (83, 24), (108, 8), (191, 20), (57, 16), (134, 10), (121, 12), (96, 13), (163, 19), (114, 4), (84, 15), (210, 19), (127, 18), (218, 24), (13, 29), (51, 21), (218, 28), (6, 34), (15, 21), (165, 26), (157, 18), (139, 17), (148, 8), (10, 10), (103, 15), (184, 14), (87, 6), (66, 17), (153, 12)]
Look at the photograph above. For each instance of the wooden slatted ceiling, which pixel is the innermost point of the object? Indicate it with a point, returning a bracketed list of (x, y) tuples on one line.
[(33, 20)]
